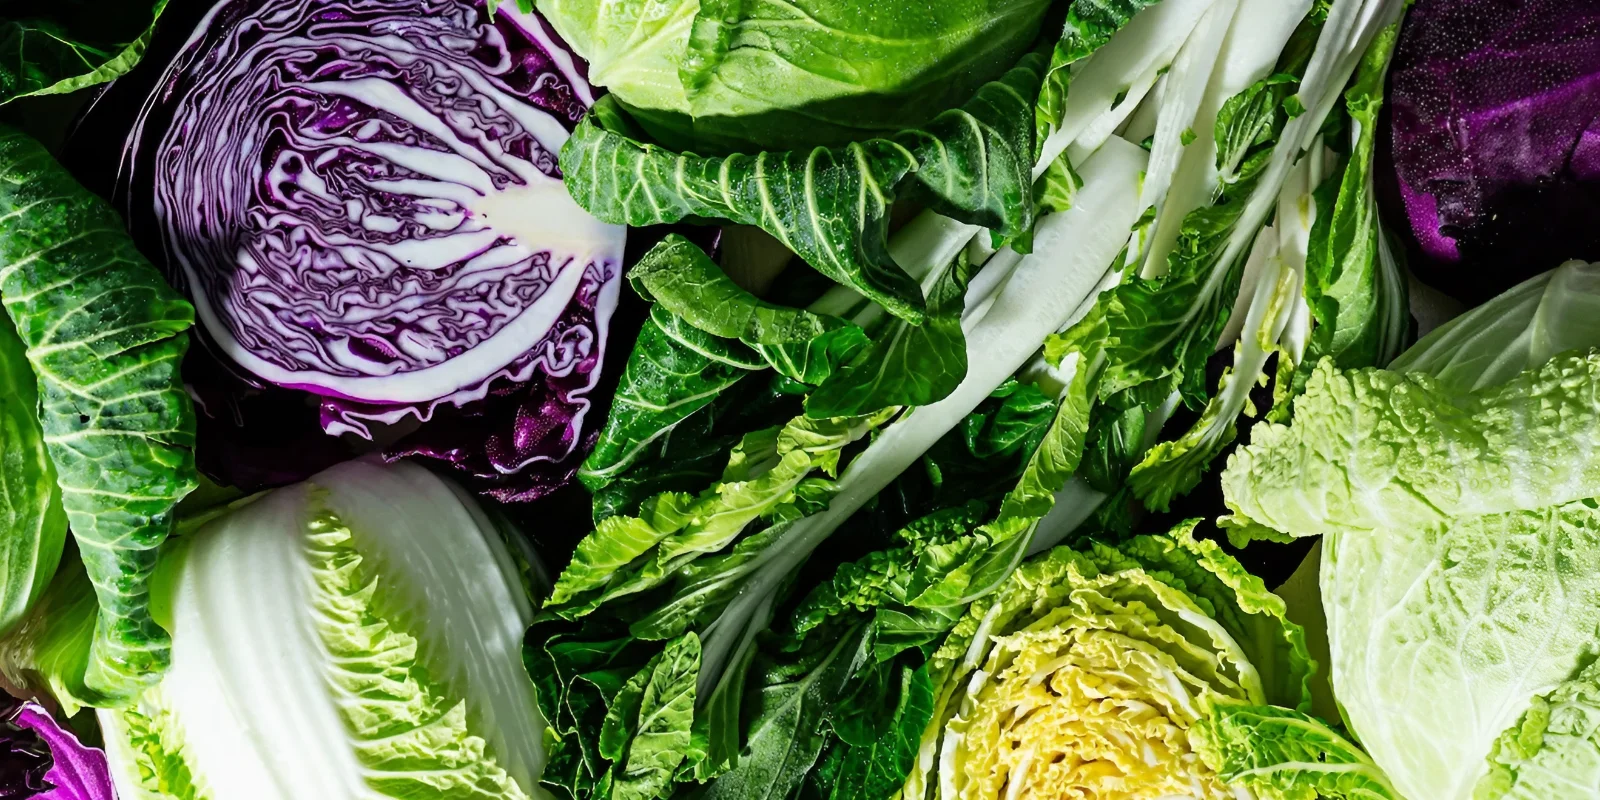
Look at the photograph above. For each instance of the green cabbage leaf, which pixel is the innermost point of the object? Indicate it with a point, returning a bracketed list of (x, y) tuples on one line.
[(737, 76), (103, 335)]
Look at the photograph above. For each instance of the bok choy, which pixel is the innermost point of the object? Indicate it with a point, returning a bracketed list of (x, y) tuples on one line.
[(773, 631)]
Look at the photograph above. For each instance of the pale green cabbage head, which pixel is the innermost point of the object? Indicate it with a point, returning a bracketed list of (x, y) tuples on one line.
[(1461, 567), (1158, 668), (712, 75)]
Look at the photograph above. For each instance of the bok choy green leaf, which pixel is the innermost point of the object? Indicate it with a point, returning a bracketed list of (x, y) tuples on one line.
[(829, 205)]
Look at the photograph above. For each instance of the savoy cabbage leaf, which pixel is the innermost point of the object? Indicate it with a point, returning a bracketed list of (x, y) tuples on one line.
[(104, 336), (1462, 542)]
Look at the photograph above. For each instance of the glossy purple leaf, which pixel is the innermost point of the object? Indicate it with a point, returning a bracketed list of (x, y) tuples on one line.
[(1496, 138), (41, 760)]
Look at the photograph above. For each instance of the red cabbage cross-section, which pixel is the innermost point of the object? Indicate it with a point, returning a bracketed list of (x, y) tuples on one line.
[(363, 200)]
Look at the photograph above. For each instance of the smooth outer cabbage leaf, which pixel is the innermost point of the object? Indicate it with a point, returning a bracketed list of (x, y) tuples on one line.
[(357, 636), (1551, 314), (735, 76), (45, 56), (104, 336), (1496, 131), (65, 769), (363, 200), (1096, 673), (31, 516)]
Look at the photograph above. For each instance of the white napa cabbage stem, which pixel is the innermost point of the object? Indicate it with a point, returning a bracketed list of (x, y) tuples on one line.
[(1111, 84), (1189, 105), (1074, 251), (1278, 255), (1106, 89), (1273, 298), (1214, 49), (1207, 68), (1345, 37), (1283, 246)]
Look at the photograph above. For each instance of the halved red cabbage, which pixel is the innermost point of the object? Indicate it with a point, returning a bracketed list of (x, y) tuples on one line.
[(363, 200), (1496, 133), (41, 760)]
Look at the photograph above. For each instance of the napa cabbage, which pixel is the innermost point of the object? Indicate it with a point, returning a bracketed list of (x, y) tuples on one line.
[(356, 636), (1456, 493)]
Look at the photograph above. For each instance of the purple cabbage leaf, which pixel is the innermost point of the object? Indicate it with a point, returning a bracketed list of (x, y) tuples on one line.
[(1496, 138), (42, 760)]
